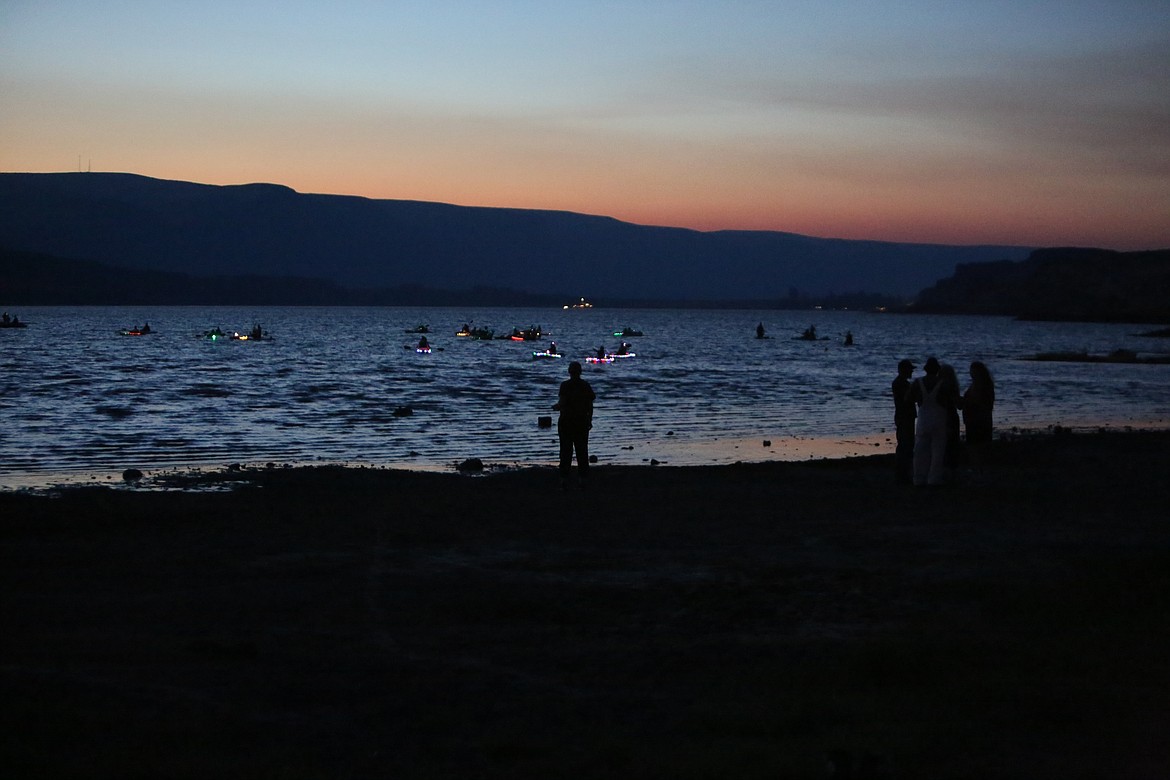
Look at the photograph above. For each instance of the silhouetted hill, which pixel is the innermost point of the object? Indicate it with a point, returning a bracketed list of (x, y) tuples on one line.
[(362, 244), (35, 279), (1060, 284)]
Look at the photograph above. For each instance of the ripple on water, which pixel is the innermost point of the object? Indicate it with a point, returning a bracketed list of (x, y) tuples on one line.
[(115, 412), (205, 390)]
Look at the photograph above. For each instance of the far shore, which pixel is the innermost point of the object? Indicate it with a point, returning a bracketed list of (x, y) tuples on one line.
[(752, 620)]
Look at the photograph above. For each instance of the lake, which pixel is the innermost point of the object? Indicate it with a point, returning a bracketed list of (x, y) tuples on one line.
[(79, 399)]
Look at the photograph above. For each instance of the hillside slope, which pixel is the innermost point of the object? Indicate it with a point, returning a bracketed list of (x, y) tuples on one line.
[(264, 229)]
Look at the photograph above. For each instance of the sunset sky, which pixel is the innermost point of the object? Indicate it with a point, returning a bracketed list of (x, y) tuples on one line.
[(1014, 122)]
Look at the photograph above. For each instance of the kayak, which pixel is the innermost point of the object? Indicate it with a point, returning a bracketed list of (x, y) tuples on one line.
[(606, 359), (529, 334), (256, 333), (627, 332), (546, 354), (619, 355)]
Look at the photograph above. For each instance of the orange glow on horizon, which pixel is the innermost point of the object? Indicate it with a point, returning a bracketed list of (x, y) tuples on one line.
[(910, 222), (856, 220)]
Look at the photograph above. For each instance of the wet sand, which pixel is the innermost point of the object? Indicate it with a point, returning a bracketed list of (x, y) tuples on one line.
[(731, 621)]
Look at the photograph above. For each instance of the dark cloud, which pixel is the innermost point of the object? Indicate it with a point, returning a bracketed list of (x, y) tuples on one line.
[(1111, 107)]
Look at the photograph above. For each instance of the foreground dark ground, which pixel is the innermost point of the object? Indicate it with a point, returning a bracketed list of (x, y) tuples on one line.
[(729, 622)]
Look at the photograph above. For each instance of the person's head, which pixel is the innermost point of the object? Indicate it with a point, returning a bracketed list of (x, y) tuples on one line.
[(947, 372), (931, 365), (905, 367), (574, 369), (979, 372)]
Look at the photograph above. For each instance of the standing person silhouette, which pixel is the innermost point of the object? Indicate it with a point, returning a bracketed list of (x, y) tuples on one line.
[(953, 401), (935, 399), (575, 403), (905, 413), (977, 404)]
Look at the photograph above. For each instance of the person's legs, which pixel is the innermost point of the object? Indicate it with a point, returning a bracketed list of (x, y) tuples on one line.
[(904, 455), (937, 473), (566, 466), (581, 444), (921, 458)]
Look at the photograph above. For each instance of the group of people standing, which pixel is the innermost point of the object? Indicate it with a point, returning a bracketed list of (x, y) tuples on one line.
[(926, 420)]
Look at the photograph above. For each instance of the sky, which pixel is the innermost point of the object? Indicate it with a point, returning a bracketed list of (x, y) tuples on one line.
[(969, 122)]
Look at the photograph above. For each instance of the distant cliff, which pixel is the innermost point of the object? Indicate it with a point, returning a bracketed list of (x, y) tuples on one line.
[(1060, 284), (360, 244)]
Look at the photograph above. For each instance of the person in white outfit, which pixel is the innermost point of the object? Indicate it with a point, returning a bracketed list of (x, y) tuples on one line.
[(933, 396)]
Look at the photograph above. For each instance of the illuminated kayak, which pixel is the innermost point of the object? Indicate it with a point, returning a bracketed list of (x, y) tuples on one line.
[(528, 334), (627, 332), (606, 359), (215, 334), (546, 354), (145, 331), (257, 333), (623, 351), (482, 334)]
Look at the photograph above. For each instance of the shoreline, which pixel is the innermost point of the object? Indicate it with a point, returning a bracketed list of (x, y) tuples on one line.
[(720, 452), (746, 620)]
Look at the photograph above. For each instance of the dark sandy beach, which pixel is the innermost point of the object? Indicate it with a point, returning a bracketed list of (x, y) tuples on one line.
[(740, 621)]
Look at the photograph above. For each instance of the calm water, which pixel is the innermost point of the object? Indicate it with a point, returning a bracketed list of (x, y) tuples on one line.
[(78, 397)]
